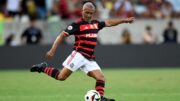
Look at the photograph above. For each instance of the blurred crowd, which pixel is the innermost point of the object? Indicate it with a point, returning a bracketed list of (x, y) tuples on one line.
[(68, 9), (140, 8), (33, 10), (169, 35)]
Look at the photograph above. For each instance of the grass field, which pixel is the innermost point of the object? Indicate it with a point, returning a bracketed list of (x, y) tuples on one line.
[(122, 84)]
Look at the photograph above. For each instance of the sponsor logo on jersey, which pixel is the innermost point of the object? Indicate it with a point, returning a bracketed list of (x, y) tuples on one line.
[(88, 27), (91, 35)]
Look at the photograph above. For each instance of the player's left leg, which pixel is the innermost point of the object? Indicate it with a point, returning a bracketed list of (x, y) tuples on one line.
[(52, 72), (72, 63)]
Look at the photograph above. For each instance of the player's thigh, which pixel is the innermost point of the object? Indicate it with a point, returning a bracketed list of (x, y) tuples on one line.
[(74, 61), (90, 66), (92, 69)]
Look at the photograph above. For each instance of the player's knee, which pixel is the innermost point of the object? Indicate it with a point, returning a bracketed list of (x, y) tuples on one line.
[(100, 77), (62, 78)]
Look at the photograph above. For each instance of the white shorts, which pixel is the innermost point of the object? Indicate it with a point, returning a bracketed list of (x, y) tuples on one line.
[(77, 61)]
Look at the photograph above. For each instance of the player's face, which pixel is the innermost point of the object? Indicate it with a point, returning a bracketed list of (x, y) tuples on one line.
[(88, 14)]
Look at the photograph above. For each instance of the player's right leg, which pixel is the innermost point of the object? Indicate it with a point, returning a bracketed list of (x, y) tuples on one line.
[(53, 72), (100, 83), (93, 70)]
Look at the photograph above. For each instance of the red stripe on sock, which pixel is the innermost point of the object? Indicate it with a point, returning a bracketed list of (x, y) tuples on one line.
[(101, 93), (45, 70), (100, 88), (50, 71)]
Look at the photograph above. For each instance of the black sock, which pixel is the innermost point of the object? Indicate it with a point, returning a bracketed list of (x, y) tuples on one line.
[(100, 87), (53, 72)]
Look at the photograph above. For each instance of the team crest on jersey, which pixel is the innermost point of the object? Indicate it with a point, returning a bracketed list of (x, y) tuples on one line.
[(70, 28)]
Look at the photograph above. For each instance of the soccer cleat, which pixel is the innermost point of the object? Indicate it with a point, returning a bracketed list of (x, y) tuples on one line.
[(106, 99), (38, 67)]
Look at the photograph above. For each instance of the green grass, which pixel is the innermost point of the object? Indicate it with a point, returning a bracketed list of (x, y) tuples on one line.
[(122, 84)]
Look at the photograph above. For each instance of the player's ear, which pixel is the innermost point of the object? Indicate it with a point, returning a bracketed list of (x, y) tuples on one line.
[(82, 11)]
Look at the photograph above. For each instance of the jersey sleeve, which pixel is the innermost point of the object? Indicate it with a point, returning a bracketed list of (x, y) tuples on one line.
[(71, 29), (101, 25)]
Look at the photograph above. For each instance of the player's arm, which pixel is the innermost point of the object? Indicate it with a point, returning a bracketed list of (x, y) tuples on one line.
[(117, 21), (50, 54)]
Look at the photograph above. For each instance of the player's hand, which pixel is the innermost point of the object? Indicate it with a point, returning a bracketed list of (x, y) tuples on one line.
[(129, 20), (50, 55)]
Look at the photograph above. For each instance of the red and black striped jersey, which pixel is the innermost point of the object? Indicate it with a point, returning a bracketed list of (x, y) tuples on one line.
[(85, 36)]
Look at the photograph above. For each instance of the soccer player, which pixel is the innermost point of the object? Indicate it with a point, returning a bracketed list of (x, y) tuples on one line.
[(82, 56)]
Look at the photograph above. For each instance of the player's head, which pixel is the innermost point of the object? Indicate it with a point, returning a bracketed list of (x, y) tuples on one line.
[(88, 11)]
